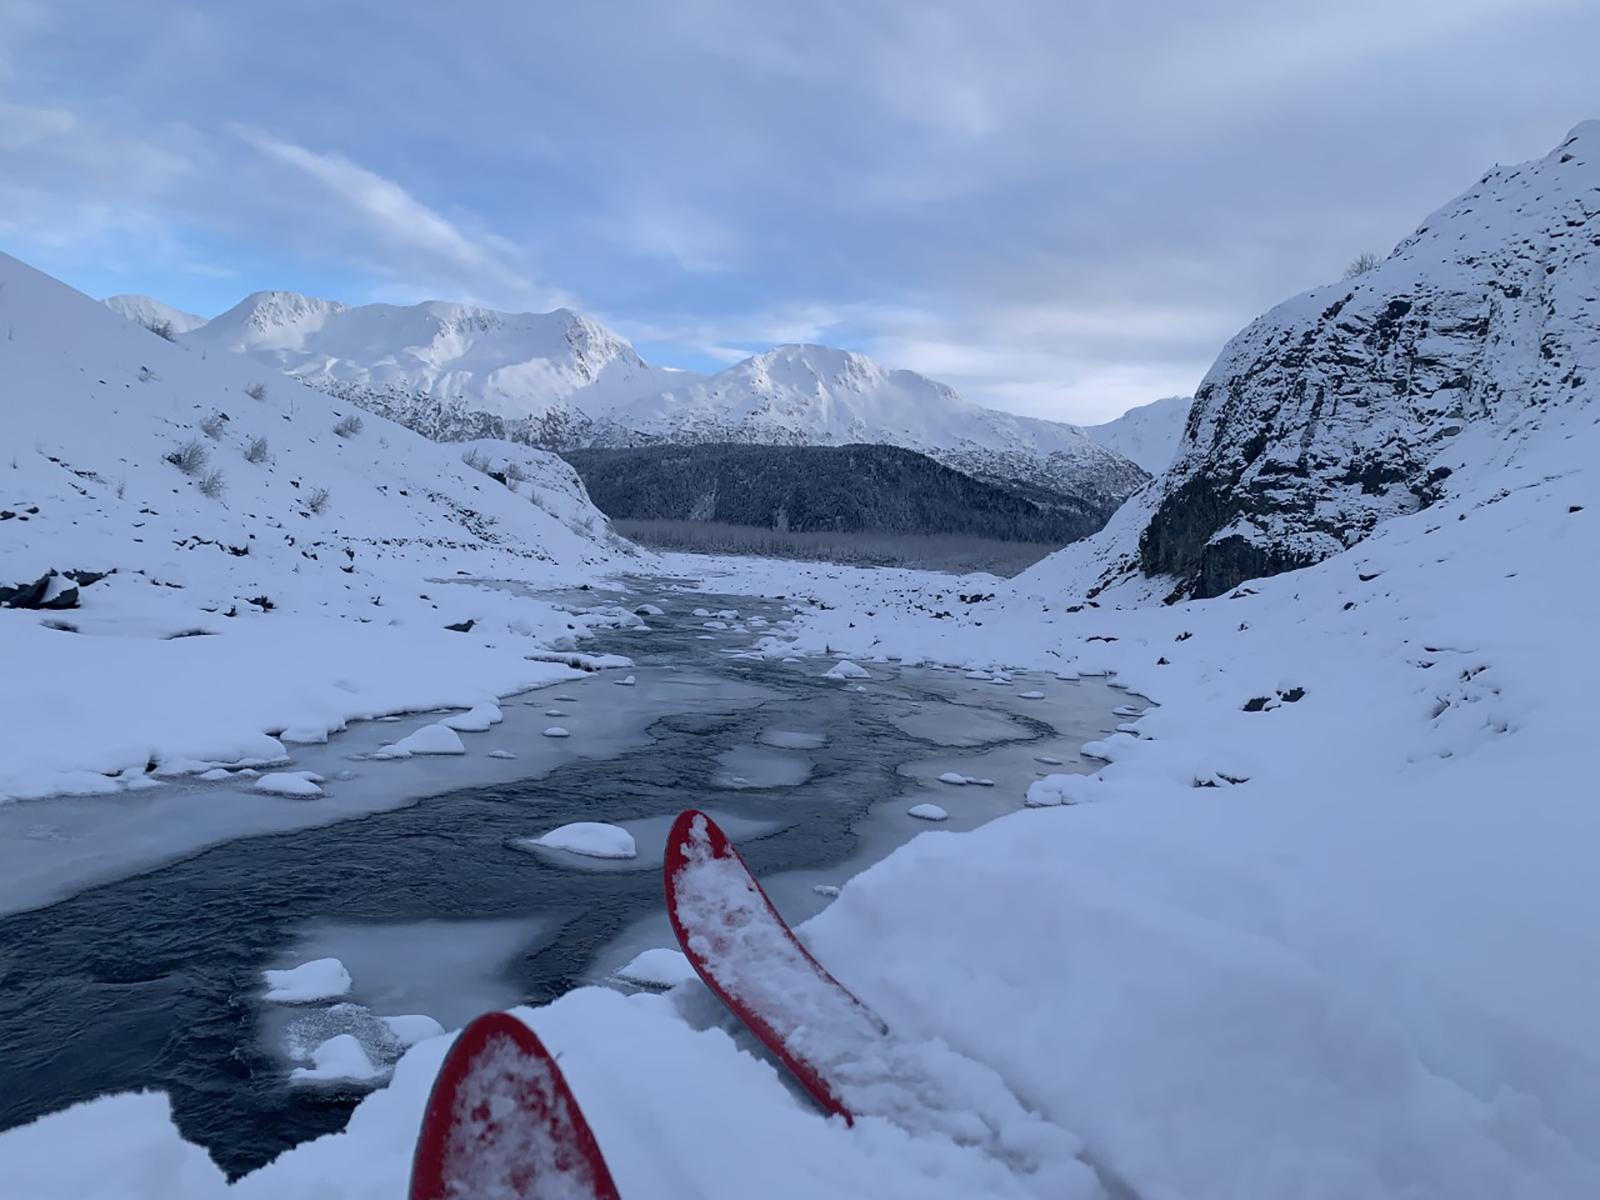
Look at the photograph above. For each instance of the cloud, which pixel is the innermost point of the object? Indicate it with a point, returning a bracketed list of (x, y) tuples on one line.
[(432, 245)]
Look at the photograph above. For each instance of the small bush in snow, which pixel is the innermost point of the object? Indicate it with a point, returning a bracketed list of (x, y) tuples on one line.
[(122, 487), (190, 457), (475, 459), (256, 451), (211, 484), (348, 426), (318, 500), (515, 473), (582, 526), (213, 426), (161, 328), (256, 391), (1361, 264)]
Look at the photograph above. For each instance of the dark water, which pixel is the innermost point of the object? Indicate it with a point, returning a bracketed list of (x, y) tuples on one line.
[(154, 981)]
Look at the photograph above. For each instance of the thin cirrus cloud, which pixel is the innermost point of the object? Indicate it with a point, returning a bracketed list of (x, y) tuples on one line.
[(396, 221)]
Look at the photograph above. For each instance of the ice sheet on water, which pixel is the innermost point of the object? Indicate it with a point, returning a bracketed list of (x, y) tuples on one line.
[(761, 767), (792, 739)]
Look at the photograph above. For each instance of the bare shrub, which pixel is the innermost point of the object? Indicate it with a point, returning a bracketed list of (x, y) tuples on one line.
[(213, 426), (348, 426), (211, 484), (256, 391), (317, 500), (1361, 264), (476, 459), (162, 328), (122, 488), (256, 451), (190, 458), (515, 473)]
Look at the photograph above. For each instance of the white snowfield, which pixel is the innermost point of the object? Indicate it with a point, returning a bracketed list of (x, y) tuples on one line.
[(1148, 434), (464, 357), (288, 582)]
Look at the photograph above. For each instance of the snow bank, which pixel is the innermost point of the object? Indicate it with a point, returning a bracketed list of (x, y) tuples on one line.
[(320, 979)]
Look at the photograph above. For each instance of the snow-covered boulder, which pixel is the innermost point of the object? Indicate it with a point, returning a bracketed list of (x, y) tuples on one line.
[(430, 739), (319, 979), (1054, 790), (300, 784), (845, 669), (594, 839), (340, 1059), (927, 812), (661, 967)]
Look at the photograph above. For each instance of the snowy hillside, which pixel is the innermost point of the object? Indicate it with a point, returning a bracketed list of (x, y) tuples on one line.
[(153, 314), (1149, 434), (450, 371), (818, 395), (1353, 403), (250, 556)]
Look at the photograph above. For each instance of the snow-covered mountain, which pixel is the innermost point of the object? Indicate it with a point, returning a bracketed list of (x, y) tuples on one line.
[(821, 396), (1148, 434), (151, 493), (154, 314), (453, 372), (1368, 398)]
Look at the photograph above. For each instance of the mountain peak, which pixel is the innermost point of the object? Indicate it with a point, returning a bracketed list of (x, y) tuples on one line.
[(153, 313)]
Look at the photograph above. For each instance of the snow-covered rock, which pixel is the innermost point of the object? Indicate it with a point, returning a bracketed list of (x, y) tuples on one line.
[(411, 1028), (319, 979), (594, 839), (1055, 790), (430, 739), (557, 731), (1359, 401), (845, 669), (927, 812), (476, 719), (289, 783), (340, 1059), (660, 967)]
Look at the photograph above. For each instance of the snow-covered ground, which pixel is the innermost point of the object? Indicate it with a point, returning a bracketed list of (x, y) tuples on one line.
[(1322, 925), (289, 573)]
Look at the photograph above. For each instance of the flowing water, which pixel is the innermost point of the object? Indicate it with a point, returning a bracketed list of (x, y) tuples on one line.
[(138, 961)]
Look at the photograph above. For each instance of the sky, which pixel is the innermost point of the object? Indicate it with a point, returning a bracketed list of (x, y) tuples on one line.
[(1060, 208)]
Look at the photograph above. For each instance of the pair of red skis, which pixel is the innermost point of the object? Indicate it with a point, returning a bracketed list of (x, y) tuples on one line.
[(501, 1121)]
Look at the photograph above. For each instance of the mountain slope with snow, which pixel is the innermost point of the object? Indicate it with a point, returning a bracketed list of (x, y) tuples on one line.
[(154, 314), (821, 396), (1148, 434), (453, 372), (1351, 404), (251, 555)]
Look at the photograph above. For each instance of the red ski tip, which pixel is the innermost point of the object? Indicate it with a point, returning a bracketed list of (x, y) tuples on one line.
[(749, 957), (502, 1124)]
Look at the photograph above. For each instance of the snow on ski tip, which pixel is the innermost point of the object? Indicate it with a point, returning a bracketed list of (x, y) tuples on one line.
[(748, 956), (502, 1124)]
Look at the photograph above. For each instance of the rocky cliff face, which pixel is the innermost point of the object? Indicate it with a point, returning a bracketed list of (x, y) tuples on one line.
[(1339, 408)]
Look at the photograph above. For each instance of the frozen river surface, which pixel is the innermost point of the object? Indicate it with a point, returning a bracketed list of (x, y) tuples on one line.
[(139, 926)]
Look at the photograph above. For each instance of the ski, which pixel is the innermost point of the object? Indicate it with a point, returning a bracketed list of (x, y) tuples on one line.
[(751, 960), (502, 1124)]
